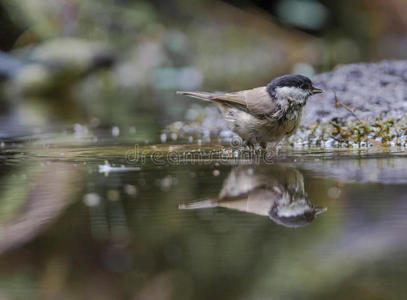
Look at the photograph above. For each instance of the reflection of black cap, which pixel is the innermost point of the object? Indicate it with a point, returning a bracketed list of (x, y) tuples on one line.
[(295, 221)]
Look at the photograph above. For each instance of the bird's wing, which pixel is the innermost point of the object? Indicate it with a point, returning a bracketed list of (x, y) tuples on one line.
[(231, 98), (256, 101), (259, 102)]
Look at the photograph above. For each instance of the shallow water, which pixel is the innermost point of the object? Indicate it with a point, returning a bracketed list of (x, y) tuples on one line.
[(82, 218)]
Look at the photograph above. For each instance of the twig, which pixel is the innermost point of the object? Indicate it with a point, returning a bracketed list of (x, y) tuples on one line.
[(338, 103)]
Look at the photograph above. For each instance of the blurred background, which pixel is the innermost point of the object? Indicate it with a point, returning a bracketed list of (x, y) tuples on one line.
[(108, 70), (118, 62)]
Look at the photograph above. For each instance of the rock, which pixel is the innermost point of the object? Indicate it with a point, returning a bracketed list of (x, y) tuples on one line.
[(371, 89), (375, 96)]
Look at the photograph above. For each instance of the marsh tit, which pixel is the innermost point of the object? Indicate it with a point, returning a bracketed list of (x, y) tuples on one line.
[(264, 115), (275, 192)]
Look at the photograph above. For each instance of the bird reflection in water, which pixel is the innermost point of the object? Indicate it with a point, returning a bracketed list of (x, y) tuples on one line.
[(267, 191)]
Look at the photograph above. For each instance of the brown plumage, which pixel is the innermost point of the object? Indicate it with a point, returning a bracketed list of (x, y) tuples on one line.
[(255, 101), (263, 115), (278, 193)]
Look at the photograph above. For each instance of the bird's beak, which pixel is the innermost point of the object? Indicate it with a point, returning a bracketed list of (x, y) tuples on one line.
[(316, 91), (319, 211)]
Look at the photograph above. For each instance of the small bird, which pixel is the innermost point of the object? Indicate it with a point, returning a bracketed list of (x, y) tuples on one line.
[(264, 115), (276, 192)]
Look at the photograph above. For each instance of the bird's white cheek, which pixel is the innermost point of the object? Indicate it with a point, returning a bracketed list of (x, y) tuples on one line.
[(293, 93), (294, 210)]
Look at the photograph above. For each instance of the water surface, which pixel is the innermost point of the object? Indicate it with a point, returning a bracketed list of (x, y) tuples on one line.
[(83, 218)]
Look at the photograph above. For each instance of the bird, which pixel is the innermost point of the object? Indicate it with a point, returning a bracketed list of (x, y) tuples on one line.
[(264, 115), (275, 192)]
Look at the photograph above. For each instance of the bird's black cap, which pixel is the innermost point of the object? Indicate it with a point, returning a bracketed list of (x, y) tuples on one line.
[(294, 80), (293, 221)]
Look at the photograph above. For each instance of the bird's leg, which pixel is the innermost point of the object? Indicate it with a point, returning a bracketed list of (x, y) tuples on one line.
[(270, 154), (249, 146), (272, 148), (263, 146)]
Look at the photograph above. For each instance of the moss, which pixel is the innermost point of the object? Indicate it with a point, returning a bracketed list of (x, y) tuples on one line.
[(358, 133), (207, 126)]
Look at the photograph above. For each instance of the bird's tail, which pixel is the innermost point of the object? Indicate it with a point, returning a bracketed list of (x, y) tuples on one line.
[(198, 95), (199, 205)]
